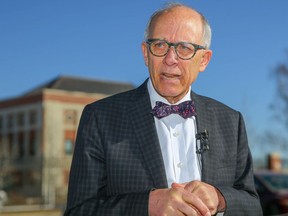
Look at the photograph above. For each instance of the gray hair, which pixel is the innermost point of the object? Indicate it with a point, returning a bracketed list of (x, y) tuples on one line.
[(207, 33)]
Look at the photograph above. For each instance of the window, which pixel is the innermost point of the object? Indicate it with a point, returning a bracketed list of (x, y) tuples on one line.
[(10, 144), (17, 178), (20, 145), (1, 122), (1, 146), (32, 117), (69, 141), (32, 143), (10, 121), (70, 117), (20, 119), (68, 147), (33, 177)]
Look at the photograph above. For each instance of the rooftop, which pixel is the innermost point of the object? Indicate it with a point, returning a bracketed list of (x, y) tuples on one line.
[(87, 85)]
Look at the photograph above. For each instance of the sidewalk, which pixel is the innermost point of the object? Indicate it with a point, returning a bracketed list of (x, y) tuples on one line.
[(34, 213)]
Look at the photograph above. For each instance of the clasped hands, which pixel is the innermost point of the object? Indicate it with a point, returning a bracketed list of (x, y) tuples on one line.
[(194, 198)]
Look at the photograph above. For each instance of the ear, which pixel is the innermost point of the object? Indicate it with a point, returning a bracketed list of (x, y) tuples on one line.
[(145, 52), (206, 56)]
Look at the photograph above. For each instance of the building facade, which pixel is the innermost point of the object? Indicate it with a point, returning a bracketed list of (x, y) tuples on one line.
[(37, 134)]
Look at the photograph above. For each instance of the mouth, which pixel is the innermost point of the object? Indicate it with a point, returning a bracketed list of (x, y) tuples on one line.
[(170, 76)]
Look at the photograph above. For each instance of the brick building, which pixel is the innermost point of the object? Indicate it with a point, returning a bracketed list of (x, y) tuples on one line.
[(37, 133)]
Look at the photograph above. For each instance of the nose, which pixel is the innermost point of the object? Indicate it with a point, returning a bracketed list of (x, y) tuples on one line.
[(171, 56)]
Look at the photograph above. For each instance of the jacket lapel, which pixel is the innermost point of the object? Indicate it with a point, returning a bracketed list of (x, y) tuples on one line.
[(145, 131), (205, 120)]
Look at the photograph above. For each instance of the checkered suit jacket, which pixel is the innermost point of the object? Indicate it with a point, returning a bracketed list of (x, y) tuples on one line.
[(117, 158)]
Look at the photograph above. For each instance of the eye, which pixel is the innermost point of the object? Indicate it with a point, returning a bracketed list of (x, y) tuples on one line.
[(160, 44), (185, 47)]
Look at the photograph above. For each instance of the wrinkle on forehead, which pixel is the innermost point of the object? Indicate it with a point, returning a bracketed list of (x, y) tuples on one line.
[(174, 19)]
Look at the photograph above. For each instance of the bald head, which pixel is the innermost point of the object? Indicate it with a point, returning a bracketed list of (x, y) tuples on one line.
[(174, 13)]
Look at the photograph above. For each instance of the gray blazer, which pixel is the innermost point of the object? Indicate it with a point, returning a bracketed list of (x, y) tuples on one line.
[(117, 158)]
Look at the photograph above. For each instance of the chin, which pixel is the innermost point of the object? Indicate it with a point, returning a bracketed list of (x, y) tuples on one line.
[(170, 94)]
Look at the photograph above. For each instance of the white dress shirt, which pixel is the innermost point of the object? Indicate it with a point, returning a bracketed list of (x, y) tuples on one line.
[(178, 143)]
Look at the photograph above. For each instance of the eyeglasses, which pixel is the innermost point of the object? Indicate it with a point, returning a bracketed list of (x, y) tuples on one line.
[(184, 50)]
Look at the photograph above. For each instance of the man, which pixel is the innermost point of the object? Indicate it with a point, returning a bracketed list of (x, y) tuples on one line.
[(135, 155)]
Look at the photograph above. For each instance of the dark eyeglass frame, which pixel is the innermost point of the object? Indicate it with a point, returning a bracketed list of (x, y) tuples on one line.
[(196, 47)]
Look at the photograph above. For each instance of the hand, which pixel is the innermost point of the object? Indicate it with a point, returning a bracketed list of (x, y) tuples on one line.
[(176, 201), (209, 195)]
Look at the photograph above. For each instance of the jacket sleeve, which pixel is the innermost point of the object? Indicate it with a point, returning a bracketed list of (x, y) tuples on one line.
[(241, 198), (87, 184)]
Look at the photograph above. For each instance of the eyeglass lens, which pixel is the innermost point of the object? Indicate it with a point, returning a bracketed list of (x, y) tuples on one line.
[(183, 50)]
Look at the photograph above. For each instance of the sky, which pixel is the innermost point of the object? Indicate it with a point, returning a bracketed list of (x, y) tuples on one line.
[(43, 39)]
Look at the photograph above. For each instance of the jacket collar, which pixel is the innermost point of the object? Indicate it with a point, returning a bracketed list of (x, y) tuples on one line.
[(145, 131), (205, 120)]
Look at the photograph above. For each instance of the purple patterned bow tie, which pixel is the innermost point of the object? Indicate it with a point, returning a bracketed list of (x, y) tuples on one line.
[(185, 109)]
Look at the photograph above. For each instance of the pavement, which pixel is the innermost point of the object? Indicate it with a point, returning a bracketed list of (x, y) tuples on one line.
[(34, 213)]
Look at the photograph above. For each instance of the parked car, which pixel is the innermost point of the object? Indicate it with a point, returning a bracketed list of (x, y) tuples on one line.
[(272, 188)]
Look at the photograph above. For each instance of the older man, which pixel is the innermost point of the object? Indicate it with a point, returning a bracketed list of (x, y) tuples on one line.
[(161, 149)]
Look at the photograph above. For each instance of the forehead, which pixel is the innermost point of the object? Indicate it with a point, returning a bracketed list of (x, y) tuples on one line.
[(177, 23)]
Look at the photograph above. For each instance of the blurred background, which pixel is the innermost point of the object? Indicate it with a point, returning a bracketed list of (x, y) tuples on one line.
[(58, 55)]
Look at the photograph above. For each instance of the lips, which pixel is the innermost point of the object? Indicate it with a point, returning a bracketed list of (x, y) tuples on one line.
[(170, 76)]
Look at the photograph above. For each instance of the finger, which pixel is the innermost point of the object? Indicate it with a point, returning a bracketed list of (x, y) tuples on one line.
[(177, 185), (193, 185), (174, 212), (178, 206), (196, 203), (185, 209), (207, 194), (181, 212)]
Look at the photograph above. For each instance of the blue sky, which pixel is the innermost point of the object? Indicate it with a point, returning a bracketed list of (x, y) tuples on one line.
[(42, 39)]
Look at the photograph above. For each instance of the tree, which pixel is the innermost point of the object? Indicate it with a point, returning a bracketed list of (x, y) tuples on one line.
[(280, 106)]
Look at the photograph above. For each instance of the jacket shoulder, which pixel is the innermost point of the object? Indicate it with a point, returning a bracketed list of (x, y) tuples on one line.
[(213, 104), (120, 100)]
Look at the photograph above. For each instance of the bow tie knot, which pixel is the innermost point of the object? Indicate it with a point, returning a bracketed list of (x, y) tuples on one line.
[(185, 109)]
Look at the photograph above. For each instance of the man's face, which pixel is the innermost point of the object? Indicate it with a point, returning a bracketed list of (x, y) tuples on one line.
[(170, 75)]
